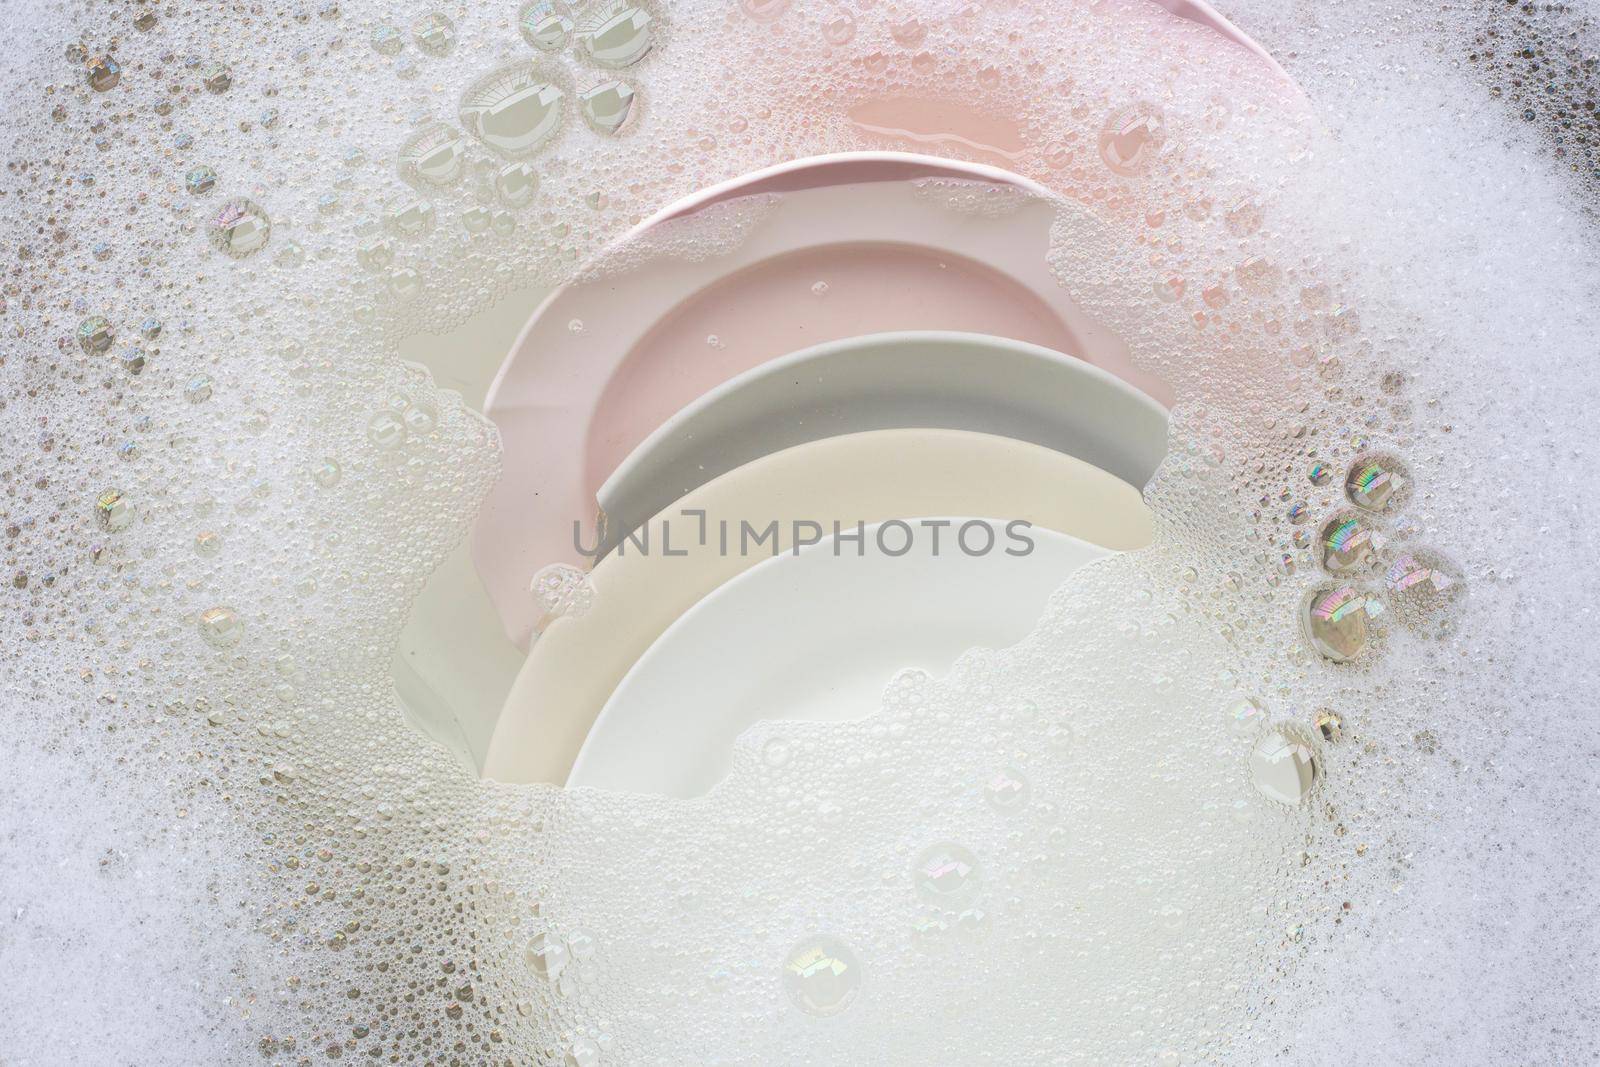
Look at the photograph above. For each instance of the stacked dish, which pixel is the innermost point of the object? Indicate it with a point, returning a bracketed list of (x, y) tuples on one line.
[(865, 433), (732, 447)]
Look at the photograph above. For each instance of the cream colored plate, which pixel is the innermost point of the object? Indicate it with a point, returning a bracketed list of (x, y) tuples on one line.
[(817, 636), (577, 662)]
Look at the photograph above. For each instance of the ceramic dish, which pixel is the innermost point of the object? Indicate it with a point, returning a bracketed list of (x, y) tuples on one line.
[(885, 381), (1203, 13), (870, 477), (854, 244), (816, 636)]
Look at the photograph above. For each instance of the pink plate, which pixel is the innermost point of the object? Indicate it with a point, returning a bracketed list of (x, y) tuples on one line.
[(824, 249)]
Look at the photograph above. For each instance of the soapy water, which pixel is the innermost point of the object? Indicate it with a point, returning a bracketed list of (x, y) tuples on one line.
[(1374, 302)]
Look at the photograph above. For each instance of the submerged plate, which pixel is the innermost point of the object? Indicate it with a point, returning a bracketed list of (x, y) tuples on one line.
[(820, 249), (635, 594), (814, 636), (1203, 13), (885, 381)]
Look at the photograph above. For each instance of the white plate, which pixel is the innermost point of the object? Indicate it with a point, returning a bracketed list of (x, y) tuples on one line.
[(812, 636), (579, 658)]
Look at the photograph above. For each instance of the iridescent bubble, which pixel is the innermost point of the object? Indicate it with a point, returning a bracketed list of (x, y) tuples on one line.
[(221, 627), (840, 29), (217, 78), (1409, 572), (1007, 791), (822, 975), (434, 155), (514, 110), (387, 40), (420, 417), (547, 954), (546, 25), (1422, 588), (946, 873), (1131, 137), (409, 216), (1320, 474), (376, 253), (103, 72), (95, 334), (239, 228), (405, 282), (434, 34), (1283, 765), (606, 107), (200, 180), (517, 183), (198, 390), (1244, 716), (1336, 621), (113, 511), (386, 430), (327, 473), (616, 34), (1374, 483), (1347, 545), (1329, 725)]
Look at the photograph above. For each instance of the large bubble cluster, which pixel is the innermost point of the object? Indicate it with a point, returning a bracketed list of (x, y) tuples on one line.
[(1313, 770)]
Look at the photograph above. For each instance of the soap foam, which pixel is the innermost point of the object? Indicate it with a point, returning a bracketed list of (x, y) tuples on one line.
[(1398, 266)]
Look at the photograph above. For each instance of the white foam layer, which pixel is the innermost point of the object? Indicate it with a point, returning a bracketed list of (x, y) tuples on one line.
[(1397, 267)]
